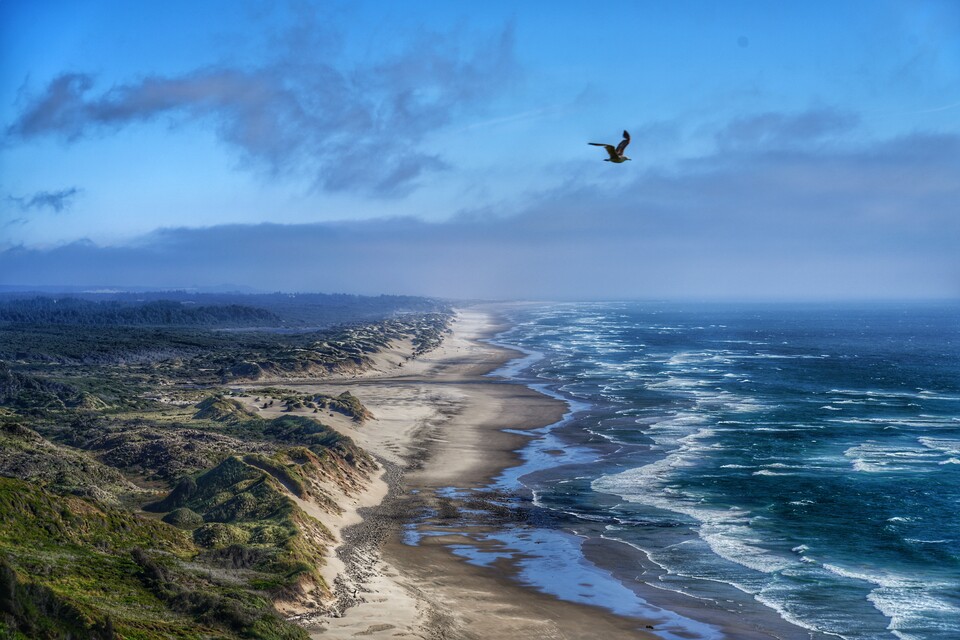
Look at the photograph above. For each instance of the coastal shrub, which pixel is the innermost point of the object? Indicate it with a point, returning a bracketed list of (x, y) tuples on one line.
[(31, 610), (185, 490), (104, 403), (66, 571), (183, 518), (258, 501), (240, 556), (221, 409), (219, 534), (274, 533), (287, 475), (347, 404), (36, 519), (246, 616), (244, 370), (224, 477), (293, 404), (26, 391), (87, 400), (25, 454)]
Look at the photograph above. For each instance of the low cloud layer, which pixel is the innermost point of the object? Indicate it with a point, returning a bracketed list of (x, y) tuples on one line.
[(351, 129), (879, 221)]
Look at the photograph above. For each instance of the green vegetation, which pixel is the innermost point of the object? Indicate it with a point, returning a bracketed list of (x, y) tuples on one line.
[(222, 409), (138, 498), (211, 357), (46, 310), (184, 518), (26, 455), (345, 403), (287, 475), (181, 308), (66, 566)]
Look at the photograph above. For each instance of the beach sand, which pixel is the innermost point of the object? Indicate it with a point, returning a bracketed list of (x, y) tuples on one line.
[(439, 422)]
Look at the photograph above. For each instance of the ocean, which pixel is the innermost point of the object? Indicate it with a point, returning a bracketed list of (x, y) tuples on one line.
[(790, 463)]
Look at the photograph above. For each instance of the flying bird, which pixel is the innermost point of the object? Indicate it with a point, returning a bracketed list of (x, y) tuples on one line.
[(616, 154)]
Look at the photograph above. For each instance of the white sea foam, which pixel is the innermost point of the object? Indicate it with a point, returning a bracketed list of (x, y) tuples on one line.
[(690, 436), (747, 405), (921, 541), (905, 601), (943, 445), (873, 457), (724, 530), (892, 394)]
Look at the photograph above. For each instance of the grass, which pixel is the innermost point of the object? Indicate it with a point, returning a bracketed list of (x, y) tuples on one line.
[(71, 567), (97, 421)]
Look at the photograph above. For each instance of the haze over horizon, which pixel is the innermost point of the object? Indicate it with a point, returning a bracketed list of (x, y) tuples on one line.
[(788, 152)]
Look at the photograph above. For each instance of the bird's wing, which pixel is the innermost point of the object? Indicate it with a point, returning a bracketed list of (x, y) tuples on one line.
[(623, 144), (608, 147)]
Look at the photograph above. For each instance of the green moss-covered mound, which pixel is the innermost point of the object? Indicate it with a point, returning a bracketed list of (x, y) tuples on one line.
[(184, 518), (72, 568), (217, 534), (221, 409)]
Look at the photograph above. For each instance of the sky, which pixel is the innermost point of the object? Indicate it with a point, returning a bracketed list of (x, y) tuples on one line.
[(779, 150)]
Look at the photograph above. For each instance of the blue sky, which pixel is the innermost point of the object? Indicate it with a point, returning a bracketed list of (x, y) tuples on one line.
[(779, 150)]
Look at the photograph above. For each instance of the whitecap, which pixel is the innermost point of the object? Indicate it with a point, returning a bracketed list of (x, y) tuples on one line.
[(906, 601), (920, 541), (873, 457), (944, 445)]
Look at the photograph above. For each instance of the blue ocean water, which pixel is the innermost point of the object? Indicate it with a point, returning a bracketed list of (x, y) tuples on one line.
[(805, 457)]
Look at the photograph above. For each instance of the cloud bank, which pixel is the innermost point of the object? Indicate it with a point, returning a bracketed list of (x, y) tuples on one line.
[(351, 129), (772, 222)]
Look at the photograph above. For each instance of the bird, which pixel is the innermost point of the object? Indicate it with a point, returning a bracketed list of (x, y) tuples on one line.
[(616, 154)]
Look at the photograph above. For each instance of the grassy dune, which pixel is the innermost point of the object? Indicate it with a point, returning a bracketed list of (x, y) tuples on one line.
[(138, 499)]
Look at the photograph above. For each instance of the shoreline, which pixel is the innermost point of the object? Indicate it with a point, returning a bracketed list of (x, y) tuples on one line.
[(440, 424)]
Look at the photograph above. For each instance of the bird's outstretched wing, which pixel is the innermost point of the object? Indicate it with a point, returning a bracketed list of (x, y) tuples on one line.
[(623, 143), (608, 147)]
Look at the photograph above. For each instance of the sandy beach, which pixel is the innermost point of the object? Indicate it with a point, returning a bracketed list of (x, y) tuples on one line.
[(438, 422), (441, 421)]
